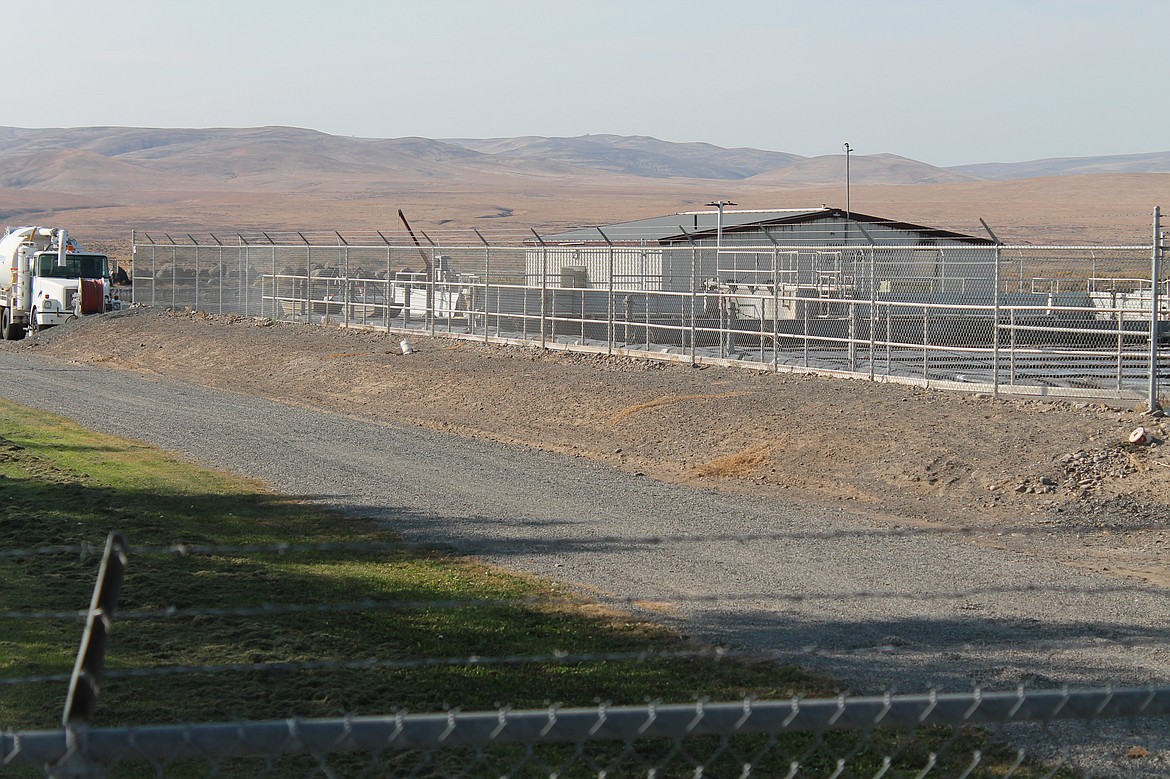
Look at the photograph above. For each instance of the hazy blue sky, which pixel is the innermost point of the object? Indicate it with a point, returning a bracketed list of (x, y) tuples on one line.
[(946, 82)]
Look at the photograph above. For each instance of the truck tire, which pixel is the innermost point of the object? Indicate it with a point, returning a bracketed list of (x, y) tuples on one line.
[(9, 330)]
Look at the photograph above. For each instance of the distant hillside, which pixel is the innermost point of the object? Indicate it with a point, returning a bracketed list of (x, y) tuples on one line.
[(1156, 162), (289, 160), (263, 158), (863, 169), (79, 171), (636, 155)]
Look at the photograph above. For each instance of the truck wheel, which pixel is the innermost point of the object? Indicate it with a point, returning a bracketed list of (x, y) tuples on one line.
[(9, 331), (34, 326)]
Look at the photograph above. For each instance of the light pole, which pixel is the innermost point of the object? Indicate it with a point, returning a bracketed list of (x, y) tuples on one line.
[(848, 149), (719, 224)]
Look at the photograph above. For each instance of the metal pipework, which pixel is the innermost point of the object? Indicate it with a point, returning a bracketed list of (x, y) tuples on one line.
[(62, 241)]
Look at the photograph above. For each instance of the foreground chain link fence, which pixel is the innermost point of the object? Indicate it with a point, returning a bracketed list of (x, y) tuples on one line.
[(940, 735), (958, 313), (1022, 732)]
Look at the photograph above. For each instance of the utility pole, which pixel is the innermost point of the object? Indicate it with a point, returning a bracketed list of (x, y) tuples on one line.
[(848, 206), (719, 224)]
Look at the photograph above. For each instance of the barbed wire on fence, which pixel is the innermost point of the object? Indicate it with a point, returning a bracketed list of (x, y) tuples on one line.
[(454, 238)]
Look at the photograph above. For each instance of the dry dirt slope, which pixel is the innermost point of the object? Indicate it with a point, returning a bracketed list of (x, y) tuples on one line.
[(1055, 475)]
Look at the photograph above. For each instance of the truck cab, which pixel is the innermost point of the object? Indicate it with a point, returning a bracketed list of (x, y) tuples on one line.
[(60, 292), (46, 279)]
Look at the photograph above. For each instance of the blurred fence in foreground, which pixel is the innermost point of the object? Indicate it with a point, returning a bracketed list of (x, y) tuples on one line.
[(1022, 732), (928, 735), (1071, 321)]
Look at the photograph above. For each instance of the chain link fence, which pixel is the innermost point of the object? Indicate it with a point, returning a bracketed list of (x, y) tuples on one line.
[(1071, 321), (1033, 730), (942, 735)]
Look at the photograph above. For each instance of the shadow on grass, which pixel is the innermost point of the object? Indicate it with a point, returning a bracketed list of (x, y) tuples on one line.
[(70, 513)]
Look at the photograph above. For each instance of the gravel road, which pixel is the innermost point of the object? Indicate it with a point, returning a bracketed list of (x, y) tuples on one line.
[(834, 591)]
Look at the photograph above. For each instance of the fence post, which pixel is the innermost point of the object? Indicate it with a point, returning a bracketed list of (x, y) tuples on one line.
[(694, 295), (487, 288), (85, 682), (995, 302), (775, 305), (872, 296), (240, 270), (133, 269), (610, 314), (196, 277), (431, 287), (872, 308), (995, 328), (543, 285), (387, 296), (1155, 274), (245, 292)]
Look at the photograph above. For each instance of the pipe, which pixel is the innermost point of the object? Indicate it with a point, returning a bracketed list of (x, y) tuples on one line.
[(24, 274), (62, 241)]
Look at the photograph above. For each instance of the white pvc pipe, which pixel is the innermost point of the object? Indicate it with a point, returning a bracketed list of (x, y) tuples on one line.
[(62, 240)]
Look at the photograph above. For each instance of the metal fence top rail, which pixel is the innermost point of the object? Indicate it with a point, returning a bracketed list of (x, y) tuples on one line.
[(1145, 247), (576, 725)]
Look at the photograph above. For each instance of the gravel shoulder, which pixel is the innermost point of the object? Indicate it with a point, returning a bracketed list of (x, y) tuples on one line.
[(1054, 477)]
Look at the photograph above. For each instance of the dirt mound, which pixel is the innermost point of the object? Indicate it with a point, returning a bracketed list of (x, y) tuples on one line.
[(1060, 478)]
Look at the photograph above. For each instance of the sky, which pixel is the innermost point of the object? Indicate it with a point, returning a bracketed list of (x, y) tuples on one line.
[(945, 82)]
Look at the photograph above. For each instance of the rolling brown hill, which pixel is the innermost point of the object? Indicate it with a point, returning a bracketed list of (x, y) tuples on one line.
[(637, 155), (1157, 162), (103, 182), (863, 169), (84, 171)]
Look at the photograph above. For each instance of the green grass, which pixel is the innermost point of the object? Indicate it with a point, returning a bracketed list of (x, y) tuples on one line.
[(65, 485)]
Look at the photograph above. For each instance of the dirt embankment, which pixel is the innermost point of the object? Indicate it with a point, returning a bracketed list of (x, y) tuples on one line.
[(1059, 478)]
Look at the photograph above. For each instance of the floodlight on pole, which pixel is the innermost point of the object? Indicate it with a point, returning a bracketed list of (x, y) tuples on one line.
[(848, 150), (719, 224)]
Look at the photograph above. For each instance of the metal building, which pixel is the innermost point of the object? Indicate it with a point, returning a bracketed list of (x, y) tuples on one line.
[(824, 252)]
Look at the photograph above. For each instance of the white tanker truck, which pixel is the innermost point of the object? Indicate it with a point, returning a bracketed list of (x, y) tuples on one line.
[(46, 279)]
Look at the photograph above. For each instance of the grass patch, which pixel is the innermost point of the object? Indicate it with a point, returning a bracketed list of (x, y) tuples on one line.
[(65, 485), (740, 463)]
